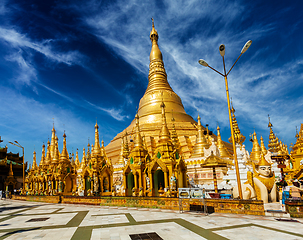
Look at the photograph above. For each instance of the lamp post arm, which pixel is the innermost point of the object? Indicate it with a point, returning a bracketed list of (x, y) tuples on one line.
[(215, 70), (234, 64), (14, 144), (224, 66)]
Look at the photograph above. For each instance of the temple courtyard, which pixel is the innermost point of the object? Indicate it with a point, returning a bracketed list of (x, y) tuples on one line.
[(33, 220)]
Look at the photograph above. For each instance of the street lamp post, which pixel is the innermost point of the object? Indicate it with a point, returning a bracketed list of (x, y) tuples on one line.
[(205, 64), (19, 145)]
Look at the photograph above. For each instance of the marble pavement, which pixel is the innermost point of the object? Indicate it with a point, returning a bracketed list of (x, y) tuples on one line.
[(33, 220)]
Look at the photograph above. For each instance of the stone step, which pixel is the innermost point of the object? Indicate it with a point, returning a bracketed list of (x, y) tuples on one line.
[(277, 213)]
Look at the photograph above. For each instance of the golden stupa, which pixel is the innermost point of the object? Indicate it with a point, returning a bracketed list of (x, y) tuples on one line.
[(149, 112)]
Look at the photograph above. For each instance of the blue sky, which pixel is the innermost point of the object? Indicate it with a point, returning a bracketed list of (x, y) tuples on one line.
[(74, 61)]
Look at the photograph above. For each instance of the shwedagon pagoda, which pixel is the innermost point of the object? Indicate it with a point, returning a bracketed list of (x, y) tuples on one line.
[(164, 149)]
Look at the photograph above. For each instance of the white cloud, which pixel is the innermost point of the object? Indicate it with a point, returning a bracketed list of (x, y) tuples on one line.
[(114, 113), (27, 72), (18, 40)]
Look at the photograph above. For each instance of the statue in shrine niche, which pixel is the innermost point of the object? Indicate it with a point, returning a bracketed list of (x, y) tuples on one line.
[(173, 183), (147, 182), (60, 186), (96, 184), (260, 184), (105, 185)]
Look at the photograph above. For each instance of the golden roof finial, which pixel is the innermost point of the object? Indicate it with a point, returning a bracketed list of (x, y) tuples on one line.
[(273, 144), (97, 149), (198, 150), (64, 155), (239, 138), (83, 161), (48, 154), (34, 160), (174, 135), (164, 133), (263, 148), (269, 123), (222, 149), (55, 158), (42, 161), (126, 148), (138, 142), (153, 34), (77, 162), (53, 141)]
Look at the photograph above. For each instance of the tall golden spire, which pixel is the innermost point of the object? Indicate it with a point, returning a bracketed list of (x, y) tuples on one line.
[(174, 136), (256, 150), (42, 161), (103, 153), (56, 157), (34, 160), (126, 148), (48, 158), (83, 161), (201, 143), (273, 143), (88, 154), (222, 149), (57, 146), (159, 90), (97, 149), (53, 142), (77, 162), (239, 138), (263, 148), (164, 133), (138, 142), (157, 75), (64, 155)]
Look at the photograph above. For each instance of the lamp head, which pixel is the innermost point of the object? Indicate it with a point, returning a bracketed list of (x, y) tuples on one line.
[(222, 50), (246, 46), (203, 63)]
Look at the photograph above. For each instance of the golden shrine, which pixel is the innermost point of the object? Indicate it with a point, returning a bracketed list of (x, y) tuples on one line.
[(58, 175)]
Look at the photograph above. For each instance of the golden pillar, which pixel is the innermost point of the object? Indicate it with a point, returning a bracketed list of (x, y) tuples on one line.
[(215, 180), (165, 180), (140, 179), (136, 180)]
